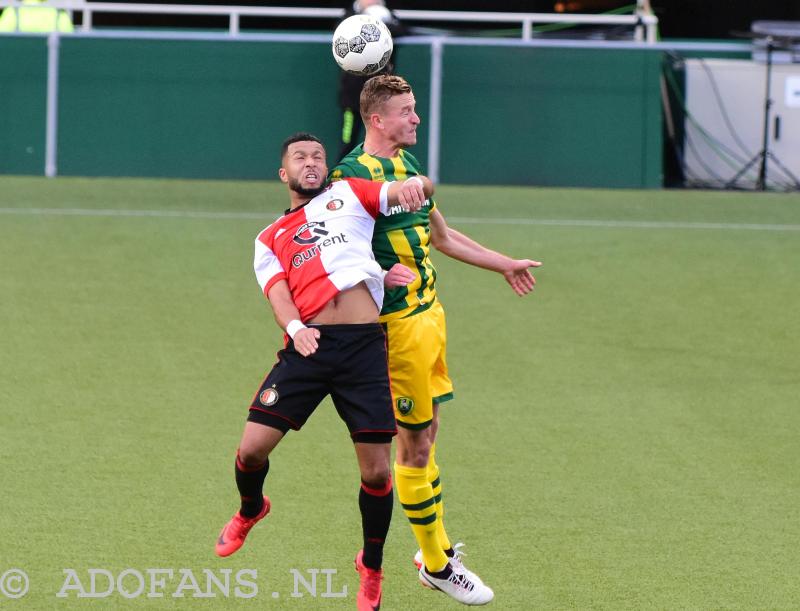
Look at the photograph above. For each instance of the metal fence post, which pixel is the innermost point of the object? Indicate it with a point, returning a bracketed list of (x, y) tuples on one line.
[(435, 113), (51, 137)]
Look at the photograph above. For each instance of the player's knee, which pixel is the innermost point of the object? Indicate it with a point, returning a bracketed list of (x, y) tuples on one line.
[(375, 471), (376, 476), (421, 456), (414, 450), (251, 456)]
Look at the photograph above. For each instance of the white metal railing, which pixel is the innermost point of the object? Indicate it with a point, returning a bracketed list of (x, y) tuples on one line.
[(527, 20), (644, 22)]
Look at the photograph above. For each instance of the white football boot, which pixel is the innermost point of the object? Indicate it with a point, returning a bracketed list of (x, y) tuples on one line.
[(458, 586), (455, 562)]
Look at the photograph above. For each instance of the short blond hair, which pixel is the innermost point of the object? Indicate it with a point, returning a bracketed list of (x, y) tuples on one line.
[(378, 90)]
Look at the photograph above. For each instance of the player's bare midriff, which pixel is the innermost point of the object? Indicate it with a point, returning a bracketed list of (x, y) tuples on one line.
[(350, 307)]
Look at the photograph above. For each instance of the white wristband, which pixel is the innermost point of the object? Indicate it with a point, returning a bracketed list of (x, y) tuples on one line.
[(293, 327), (417, 179)]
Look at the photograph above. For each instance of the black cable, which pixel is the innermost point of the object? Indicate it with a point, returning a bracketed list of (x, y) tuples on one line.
[(714, 142), (699, 157), (712, 79)]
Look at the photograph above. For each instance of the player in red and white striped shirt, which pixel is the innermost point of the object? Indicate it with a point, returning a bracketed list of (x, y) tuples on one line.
[(315, 266)]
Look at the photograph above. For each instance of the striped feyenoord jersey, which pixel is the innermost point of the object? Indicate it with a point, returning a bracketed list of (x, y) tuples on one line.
[(323, 247), (400, 237)]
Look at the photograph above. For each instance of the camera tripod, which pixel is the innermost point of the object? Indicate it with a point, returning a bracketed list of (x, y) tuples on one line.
[(765, 155)]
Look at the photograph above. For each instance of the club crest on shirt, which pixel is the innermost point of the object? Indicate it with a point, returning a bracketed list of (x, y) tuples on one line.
[(405, 405), (268, 397), (334, 204)]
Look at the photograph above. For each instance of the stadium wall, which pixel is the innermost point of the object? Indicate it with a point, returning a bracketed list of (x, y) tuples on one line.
[(23, 101), (551, 116), (218, 109)]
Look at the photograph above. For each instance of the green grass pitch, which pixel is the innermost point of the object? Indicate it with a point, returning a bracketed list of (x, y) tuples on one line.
[(624, 438)]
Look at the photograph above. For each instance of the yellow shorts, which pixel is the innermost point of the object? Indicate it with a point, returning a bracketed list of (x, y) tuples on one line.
[(417, 366)]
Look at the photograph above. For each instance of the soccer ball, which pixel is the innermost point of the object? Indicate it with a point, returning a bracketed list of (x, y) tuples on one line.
[(362, 45)]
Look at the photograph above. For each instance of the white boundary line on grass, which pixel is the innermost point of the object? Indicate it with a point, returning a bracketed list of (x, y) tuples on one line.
[(625, 224), (467, 220), (183, 214)]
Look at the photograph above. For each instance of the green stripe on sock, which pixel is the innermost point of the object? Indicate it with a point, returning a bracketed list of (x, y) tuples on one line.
[(422, 521), (418, 506)]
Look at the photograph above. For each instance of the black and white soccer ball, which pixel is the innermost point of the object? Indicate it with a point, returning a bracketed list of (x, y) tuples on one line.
[(362, 44)]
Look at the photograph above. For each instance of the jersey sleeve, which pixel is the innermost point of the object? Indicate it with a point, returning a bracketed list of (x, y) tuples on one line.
[(374, 196), (267, 266)]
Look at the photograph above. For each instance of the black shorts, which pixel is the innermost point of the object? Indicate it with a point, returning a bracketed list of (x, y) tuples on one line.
[(350, 365)]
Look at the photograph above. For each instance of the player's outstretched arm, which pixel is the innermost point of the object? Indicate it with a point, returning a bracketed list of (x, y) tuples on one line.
[(410, 193), (288, 318), (458, 246)]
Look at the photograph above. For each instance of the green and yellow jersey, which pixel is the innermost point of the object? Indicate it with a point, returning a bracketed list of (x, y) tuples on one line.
[(400, 237)]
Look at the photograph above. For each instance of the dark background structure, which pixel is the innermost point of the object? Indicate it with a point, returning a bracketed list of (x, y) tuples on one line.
[(708, 19)]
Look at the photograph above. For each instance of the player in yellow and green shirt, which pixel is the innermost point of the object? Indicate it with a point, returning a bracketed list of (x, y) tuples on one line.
[(414, 321), (400, 237)]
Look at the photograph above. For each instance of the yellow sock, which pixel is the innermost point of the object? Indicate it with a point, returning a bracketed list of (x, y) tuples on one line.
[(416, 496), (436, 484)]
